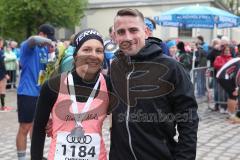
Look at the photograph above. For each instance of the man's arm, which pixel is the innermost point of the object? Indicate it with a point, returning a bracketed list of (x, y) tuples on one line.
[(185, 109), (38, 40)]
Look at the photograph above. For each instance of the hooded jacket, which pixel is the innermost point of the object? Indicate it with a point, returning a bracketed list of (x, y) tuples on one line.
[(155, 95)]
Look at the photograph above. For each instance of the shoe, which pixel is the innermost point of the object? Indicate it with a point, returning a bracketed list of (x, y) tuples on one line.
[(213, 108), (223, 111), (7, 109), (2, 109), (234, 119)]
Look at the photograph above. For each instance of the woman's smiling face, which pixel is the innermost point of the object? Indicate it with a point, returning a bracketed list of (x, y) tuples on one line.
[(90, 56)]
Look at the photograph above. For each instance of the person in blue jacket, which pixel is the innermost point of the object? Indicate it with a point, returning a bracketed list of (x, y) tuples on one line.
[(151, 26)]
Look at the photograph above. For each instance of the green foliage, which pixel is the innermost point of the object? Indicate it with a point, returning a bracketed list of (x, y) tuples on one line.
[(232, 5), (21, 18)]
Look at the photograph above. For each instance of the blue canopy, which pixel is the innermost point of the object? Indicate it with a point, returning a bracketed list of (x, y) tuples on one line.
[(197, 17)]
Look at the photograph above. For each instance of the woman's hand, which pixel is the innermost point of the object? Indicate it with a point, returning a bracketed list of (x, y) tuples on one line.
[(49, 128), (7, 77), (235, 93)]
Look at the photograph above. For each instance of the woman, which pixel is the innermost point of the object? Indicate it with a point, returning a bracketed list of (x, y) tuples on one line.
[(228, 77), (184, 57), (78, 102), (172, 48), (11, 65), (223, 58), (3, 80), (220, 60)]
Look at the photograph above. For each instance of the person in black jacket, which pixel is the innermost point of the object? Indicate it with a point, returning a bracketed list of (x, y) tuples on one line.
[(156, 98), (3, 76)]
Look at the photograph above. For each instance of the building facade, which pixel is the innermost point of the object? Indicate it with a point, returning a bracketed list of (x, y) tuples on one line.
[(100, 15)]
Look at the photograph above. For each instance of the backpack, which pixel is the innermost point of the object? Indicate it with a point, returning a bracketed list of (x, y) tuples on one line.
[(64, 62), (201, 58), (186, 60)]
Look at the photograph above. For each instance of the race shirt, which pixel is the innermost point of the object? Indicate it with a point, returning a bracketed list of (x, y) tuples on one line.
[(91, 146)]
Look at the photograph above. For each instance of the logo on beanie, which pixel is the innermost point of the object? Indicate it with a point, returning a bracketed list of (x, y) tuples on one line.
[(87, 33)]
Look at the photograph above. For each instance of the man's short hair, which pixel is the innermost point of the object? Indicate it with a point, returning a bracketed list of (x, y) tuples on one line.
[(200, 38), (130, 12)]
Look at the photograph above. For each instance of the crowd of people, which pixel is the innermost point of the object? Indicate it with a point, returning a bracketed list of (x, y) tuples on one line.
[(201, 59), (205, 61), (9, 62), (67, 89)]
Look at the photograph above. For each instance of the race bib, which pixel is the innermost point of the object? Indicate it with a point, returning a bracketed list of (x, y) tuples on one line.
[(69, 148)]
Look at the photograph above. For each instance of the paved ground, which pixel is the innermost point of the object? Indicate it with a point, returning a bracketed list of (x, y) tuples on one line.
[(217, 138)]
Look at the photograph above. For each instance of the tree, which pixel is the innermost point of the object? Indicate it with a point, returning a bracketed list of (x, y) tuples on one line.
[(21, 18), (233, 5)]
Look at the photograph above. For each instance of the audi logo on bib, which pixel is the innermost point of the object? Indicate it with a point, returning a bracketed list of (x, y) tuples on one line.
[(84, 140)]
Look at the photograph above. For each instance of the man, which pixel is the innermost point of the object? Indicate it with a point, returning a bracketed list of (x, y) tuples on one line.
[(156, 97), (200, 42), (111, 33), (151, 26), (33, 60), (110, 47)]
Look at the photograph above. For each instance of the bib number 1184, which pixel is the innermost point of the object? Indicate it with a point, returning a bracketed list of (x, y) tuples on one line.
[(69, 147), (81, 151)]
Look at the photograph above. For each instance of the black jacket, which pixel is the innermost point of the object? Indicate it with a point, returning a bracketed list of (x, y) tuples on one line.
[(155, 94), (3, 71)]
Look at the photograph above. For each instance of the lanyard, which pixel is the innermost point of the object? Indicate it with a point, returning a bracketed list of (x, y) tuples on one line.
[(73, 98)]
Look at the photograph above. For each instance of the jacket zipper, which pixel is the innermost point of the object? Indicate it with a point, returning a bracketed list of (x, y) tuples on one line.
[(127, 118)]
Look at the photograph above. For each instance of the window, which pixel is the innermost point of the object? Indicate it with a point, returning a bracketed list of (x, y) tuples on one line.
[(184, 32)]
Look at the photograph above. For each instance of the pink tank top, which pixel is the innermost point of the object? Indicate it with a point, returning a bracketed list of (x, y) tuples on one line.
[(91, 147)]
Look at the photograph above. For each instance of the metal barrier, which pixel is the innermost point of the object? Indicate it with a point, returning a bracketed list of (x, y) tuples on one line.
[(13, 79), (216, 94), (192, 73), (203, 78)]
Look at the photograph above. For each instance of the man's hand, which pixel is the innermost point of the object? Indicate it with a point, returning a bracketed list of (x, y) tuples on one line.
[(49, 128)]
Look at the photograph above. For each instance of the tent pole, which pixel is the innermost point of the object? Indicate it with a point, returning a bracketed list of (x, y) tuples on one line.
[(214, 31)]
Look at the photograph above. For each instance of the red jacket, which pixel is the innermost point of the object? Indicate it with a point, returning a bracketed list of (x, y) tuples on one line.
[(221, 60)]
